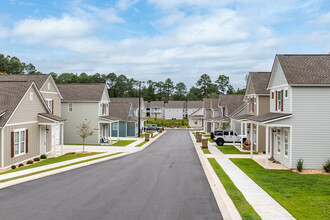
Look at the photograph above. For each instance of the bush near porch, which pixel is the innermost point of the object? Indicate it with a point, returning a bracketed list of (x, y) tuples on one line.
[(304, 196)]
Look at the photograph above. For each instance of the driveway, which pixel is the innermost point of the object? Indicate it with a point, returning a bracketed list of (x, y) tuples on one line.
[(164, 181)]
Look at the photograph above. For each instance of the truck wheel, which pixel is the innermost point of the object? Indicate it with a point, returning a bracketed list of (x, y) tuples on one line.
[(220, 142)]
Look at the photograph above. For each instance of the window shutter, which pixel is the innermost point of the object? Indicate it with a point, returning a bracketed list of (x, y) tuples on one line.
[(52, 106), (276, 101), (27, 140), (12, 144), (281, 100)]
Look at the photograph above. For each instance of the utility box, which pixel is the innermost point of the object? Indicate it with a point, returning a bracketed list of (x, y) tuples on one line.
[(147, 137), (205, 143)]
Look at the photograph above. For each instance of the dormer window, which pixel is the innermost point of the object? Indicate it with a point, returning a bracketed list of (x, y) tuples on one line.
[(48, 86), (252, 100), (279, 101), (31, 96), (104, 109)]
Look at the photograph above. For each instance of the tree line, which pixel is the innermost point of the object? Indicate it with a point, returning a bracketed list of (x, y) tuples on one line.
[(122, 86)]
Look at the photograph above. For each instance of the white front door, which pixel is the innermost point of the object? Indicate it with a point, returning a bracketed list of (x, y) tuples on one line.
[(42, 140)]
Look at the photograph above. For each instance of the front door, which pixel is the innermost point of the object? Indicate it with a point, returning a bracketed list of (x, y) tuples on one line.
[(42, 140)]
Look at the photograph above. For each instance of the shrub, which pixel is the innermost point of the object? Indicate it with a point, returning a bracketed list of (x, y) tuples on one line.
[(326, 166), (300, 165), (36, 159), (29, 162), (13, 167), (44, 156), (20, 165)]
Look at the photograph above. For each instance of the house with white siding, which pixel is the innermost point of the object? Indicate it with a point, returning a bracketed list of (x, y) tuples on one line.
[(175, 110), (154, 109), (298, 124), (194, 113), (26, 122)]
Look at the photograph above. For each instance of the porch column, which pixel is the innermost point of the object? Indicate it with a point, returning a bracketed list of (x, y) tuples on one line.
[(241, 135), (233, 126), (62, 138), (53, 140), (271, 142), (257, 137), (267, 133), (110, 131), (251, 140), (118, 131)]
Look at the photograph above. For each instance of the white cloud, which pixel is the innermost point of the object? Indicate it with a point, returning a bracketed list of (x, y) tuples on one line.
[(125, 4), (38, 30)]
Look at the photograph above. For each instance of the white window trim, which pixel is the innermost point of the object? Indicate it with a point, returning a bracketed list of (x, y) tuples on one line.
[(278, 100), (19, 130), (69, 107), (286, 91), (51, 102)]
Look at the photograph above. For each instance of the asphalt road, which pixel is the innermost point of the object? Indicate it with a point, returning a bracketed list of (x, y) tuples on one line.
[(164, 181)]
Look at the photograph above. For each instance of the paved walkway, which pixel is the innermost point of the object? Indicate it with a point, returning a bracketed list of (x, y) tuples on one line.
[(263, 203)]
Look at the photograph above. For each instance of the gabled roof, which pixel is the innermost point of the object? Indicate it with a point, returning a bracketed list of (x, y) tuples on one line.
[(194, 104), (270, 116), (133, 100), (154, 104), (305, 68), (210, 103), (11, 94), (259, 81), (231, 102), (175, 104), (51, 117), (82, 92), (237, 110), (119, 111)]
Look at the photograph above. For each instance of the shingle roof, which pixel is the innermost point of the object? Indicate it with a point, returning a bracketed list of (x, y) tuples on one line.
[(11, 93), (119, 111), (231, 101), (239, 108), (210, 103), (268, 116), (259, 81), (175, 104), (52, 117), (39, 79), (154, 104), (306, 69), (194, 104), (82, 92), (133, 100)]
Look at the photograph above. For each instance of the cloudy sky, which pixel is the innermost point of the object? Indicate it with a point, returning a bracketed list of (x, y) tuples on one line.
[(157, 39)]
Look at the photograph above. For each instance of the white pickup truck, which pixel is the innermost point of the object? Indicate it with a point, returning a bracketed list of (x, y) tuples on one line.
[(225, 136)]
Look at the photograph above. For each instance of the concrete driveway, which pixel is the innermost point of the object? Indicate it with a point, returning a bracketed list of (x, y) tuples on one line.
[(164, 181)]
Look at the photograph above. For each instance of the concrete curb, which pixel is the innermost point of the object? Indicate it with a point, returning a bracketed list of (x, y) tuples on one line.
[(225, 204), (72, 167)]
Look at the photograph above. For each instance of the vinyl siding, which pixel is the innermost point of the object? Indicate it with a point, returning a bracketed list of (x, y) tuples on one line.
[(81, 111), (198, 125), (105, 95), (173, 113), (277, 76), (33, 145), (261, 138), (28, 110), (263, 104), (57, 102), (310, 122)]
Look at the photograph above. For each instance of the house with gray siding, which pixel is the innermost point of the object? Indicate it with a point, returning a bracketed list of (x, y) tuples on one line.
[(256, 102), (26, 122), (298, 124), (86, 101)]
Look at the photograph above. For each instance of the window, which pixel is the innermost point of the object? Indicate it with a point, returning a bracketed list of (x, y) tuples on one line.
[(49, 104), (223, 111), (19, 142), (255, 100), (251, 104), (31, 96), (70, 107), (279, 100), (225, 133), (278, 137), (254, 135), (286, 142), (286, 93), (219, 133), (115, 126), (232, 133)]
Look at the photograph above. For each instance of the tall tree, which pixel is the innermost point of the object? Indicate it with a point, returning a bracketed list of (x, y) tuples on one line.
[(160, 90), (206, 86), (168, 88), (194, 94), (180, 91), (223, 83)]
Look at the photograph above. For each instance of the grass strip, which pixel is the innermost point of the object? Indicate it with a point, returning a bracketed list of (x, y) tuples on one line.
[(122, 143), (205, 150), (207, 135), (244, 208), (232, 150), (52, 160), (141, 144), (210, 140), (304, 196), (55, 168)]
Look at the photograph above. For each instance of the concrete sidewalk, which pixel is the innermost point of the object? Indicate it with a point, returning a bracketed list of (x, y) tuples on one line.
[(262, 203)]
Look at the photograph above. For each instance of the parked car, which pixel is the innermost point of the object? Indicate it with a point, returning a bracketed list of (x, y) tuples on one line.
[(153, 127), (225, 136)]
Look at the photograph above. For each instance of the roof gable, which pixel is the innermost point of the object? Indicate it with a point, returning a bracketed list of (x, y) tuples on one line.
[(277, 77), (82, 92)]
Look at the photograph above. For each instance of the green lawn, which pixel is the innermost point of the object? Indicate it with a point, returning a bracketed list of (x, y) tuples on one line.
[(207, 135), (244, 208), (206, 150), (122, 143), (55, 168), (210, 140), (232, 150), (90, 144), (141, 144), (304, 196), (51, 160)]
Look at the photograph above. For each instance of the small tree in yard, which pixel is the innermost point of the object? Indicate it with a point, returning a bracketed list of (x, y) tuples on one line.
[(84, 131)]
